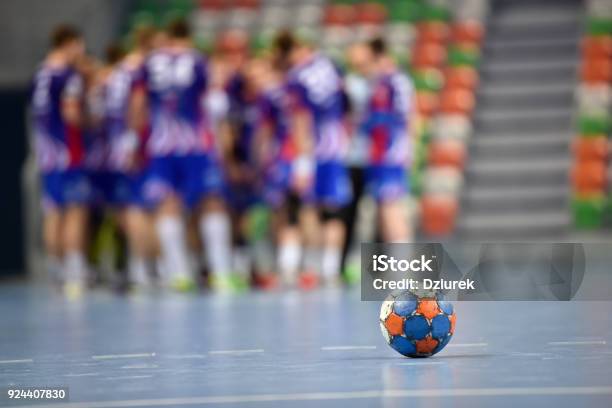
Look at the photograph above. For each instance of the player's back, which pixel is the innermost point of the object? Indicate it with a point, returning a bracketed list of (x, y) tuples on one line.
[(386, 120), (52, 84), (317, 87), (176, 81)]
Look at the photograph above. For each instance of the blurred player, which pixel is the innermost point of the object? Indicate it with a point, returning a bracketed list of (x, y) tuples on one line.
[(275, 152), (57, 98), (126, 130), (386, 123), (317, 108), (184, 168)]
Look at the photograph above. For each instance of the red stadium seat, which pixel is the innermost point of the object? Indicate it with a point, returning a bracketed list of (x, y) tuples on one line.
[(591, 148), (214, 4), (447, 152), (427, 102), (432, 31), (596, 71), (458, 101), (595, 48), (371, 13), (589, 176), (339, 14), (428, 55), (462, 77), (439, 213), (468, 32)]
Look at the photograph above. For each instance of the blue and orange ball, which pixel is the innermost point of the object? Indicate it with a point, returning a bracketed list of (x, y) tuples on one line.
[(417, 327)]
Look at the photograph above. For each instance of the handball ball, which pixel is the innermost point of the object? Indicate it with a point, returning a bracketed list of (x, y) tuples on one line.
[(416, 327)]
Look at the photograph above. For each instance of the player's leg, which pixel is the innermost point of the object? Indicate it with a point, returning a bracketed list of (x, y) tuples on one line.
[(161, 193), (52, 218), (334, 193), (334, 235), (390, 190), (141, 246), (204, 191), (76, 195), (74, 230), (289, 241)]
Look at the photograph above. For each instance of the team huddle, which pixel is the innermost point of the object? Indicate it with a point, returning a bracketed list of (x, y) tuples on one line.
[(186, 150)]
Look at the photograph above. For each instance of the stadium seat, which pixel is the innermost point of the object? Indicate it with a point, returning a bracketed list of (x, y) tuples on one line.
[(432, 32), (449, 126), (427, 102), (470, 31), (597, 47), (593, 125), (596, 71), (458, 101), (464, 54), (594, 99), (445, 180), (428, 55), (461, 77), (589, 176), (448, 152), (588, 211), (339, 14), (591, 148), (371, 13), (438, 214), (428, 79)]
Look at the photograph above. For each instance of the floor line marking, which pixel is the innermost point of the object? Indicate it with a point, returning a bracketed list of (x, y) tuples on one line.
[(467, 345), (117, 356), (342, 348), (318, 396), (129, 377), (578, 343), (185, 356), (22, 361), (82, 375), (245, 351)]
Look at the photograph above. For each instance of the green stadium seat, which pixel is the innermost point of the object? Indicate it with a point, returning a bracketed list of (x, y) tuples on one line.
[(463, 55), (588, 212), (428, 79), (590, 126), (599, 26)]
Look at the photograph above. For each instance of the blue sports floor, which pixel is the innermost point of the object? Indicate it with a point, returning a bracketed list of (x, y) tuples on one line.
[(320, 349)]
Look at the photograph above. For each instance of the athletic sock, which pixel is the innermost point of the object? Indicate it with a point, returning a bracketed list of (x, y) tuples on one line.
[(75, 267), (215, 231), (138, 271), (289, 257), (174, 253), (330, 264)]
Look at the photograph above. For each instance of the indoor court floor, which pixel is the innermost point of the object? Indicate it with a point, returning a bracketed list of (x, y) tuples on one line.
[(322, 348)]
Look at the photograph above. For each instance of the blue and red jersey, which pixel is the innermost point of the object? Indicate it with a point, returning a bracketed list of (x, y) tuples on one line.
[(117, 91), (176, 81), (273, 113), (386, 119), (59, 145), (316, 87)]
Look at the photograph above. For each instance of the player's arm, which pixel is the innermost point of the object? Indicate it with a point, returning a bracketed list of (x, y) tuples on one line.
[(301, 130)]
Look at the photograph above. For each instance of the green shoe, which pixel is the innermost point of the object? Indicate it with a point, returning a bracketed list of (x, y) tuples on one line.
[(183, 284), (352, 273), (232, 283)]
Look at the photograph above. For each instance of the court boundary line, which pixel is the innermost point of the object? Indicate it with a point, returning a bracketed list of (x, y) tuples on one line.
[(331, 396)]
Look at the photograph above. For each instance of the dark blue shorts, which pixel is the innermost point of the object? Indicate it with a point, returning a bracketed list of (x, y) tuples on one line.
[(191, 177)]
